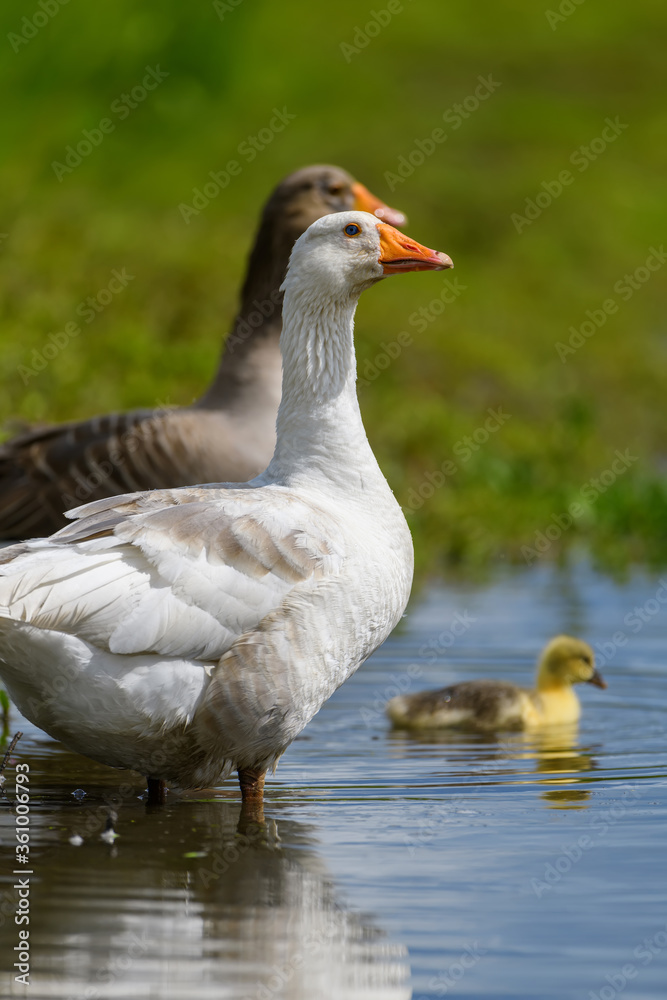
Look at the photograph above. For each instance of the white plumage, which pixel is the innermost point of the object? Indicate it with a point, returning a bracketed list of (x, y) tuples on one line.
[(183, 633)]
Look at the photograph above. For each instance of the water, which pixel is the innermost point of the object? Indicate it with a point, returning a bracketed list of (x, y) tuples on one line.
[(390, 866)]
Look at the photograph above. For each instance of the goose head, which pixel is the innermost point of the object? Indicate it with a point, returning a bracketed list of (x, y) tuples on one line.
[(341, 255), (566, 661), (312, 192), (298, 201)]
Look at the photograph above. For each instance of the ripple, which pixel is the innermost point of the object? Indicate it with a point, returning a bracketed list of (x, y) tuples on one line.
[(390, 862)]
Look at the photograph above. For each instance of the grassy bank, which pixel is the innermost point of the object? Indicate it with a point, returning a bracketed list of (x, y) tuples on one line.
[(500, 415)]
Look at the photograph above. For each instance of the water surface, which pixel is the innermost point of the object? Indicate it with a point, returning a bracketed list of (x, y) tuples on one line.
[(390, 866)]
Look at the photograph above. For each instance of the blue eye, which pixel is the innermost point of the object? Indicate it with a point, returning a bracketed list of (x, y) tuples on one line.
[(352, 230)]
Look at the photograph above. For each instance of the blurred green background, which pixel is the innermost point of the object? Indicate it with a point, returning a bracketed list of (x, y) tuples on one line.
[(558, 77)]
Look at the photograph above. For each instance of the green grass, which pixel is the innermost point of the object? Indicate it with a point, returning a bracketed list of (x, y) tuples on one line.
[(493, 346)]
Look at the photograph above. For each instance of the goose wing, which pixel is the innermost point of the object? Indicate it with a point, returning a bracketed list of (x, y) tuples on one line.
[(483, 704), (48, 470), (179, 573)]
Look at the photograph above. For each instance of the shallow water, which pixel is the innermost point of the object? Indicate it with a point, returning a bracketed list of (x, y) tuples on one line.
[(390, 866)]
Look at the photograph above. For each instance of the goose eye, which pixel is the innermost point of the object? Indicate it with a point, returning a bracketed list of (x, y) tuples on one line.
[(352, 230), (335, 188)]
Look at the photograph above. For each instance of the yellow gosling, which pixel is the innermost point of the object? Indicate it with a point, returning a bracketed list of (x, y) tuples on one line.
[(489, 705)]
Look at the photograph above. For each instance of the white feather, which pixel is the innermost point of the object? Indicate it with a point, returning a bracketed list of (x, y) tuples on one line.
[(185, 632)]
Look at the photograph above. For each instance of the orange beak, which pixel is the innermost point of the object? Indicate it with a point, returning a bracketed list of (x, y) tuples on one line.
[(364, 201), (400, 253)]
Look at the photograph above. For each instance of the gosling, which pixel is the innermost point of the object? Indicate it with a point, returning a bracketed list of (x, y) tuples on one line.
[(488, 705)]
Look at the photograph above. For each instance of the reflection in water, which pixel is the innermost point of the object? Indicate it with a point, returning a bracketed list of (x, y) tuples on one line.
[(551, 753), (441, 839), (555, 752), (183, 904)]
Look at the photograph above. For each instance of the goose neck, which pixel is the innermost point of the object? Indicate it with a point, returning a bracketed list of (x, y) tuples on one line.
[(319, 426), (250, 361)]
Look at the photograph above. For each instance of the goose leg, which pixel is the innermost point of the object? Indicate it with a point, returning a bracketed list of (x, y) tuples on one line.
[(252, 794), (157, 792)]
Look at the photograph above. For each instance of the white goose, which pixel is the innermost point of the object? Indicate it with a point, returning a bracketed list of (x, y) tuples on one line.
[(229, 433), (186, 633)]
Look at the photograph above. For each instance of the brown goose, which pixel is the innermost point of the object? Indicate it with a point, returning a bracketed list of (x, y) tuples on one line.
[(226, 436)]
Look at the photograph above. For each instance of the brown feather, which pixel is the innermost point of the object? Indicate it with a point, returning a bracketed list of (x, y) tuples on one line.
[(228, 436)]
